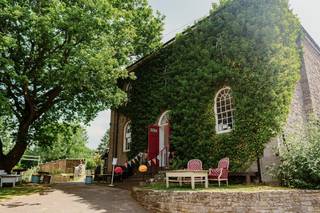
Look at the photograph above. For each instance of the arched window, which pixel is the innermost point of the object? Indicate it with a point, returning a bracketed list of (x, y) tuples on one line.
[(164, 118), (224, 110), (127, 137)]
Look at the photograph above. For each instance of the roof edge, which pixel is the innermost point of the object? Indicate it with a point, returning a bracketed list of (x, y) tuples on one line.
[(136, 64), (311, 40)]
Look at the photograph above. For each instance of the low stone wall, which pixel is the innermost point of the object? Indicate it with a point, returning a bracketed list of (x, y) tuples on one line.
[(279, 201)]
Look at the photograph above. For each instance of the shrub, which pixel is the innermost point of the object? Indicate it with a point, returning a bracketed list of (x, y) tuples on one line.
[(90, 164), (300, 161), (26, 176)]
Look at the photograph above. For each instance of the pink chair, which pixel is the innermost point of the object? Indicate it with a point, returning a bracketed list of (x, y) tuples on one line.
[(194, 164), (221, 173)]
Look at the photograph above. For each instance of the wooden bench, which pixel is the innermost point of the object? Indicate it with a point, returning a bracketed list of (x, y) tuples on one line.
[(247, 175)]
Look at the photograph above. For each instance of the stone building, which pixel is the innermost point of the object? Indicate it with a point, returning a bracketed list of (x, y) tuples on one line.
[(306, 101)]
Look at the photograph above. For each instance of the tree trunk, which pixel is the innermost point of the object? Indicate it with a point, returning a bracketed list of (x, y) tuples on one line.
[(8, 161)]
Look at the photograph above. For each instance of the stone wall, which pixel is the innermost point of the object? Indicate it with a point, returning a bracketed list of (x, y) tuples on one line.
[(306, 100), (289, 201), (311, 66)]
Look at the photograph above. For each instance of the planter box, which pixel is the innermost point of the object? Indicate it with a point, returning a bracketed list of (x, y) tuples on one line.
[(35, 178), (89, 179)]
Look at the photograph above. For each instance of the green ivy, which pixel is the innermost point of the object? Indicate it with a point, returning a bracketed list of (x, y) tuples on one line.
[(249, 45)]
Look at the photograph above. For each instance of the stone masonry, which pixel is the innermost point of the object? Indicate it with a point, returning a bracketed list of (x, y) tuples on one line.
[(288, 201)]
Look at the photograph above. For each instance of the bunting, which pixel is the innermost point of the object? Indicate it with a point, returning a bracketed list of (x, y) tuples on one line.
[(154, 160), (137, 159)]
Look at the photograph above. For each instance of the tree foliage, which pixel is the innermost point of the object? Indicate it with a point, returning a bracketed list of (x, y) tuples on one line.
[(61, 59), (249, 45), (6, 140), (61, 141)]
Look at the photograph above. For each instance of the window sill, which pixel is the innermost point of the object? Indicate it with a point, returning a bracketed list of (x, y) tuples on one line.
[(222, 132)]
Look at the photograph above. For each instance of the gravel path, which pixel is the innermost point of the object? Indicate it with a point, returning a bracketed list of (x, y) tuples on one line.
[(74, 198)]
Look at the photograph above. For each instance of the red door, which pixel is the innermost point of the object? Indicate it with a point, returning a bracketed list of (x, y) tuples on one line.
[(153, 141)]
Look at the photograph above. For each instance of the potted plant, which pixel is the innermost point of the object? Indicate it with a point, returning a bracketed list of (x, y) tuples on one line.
[(35, 177), (90, 165)]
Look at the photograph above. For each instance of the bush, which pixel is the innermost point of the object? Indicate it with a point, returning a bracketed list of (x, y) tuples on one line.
[(26, 176), (90, 164), (300, 160)]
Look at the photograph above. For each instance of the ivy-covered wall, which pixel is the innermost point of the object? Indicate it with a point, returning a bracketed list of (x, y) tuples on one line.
[(249, 45)]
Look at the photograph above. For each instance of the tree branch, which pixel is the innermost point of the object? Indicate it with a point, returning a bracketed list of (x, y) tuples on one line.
[(50, 101), (28, 100)]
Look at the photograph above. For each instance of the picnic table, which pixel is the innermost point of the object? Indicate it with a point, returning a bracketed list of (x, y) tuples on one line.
[(187, 176), (5, 178)]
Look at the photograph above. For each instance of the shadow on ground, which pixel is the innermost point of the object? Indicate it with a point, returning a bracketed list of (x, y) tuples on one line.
[(18, 204), (101, 198), (74, 198)]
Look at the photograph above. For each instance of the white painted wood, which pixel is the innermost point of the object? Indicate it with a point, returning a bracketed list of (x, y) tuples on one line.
[(195, 176)]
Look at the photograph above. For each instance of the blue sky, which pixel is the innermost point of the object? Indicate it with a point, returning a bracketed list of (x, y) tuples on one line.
[(182, 13)]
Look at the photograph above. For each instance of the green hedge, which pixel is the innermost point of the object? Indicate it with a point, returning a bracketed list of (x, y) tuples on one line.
[(249, 45)]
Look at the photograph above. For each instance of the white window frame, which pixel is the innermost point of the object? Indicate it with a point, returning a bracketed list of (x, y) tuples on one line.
[(125, 143), (166, 113), (216, 112)]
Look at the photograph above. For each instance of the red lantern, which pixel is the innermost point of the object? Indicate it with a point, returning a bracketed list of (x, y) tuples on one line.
[(118, 170)]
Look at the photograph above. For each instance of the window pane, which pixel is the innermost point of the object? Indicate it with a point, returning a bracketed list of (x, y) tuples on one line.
[(224, 110), (127, 137)]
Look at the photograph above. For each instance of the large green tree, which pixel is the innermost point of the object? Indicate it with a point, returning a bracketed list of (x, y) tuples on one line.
[(61, 141), (61, 59)]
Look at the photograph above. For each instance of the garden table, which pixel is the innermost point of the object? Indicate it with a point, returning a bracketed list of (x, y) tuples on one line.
[(9, 179), (194, 175)]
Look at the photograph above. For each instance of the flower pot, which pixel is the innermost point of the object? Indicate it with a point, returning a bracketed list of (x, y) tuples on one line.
[(35, 179), (89, 179)]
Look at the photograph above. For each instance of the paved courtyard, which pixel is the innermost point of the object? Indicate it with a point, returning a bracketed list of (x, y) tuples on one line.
[(74, 198)]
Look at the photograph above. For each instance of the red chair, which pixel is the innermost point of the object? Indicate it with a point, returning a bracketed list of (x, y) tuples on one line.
[(194, 164), (221, 173)]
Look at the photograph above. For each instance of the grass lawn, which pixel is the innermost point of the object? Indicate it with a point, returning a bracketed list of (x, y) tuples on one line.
[(9, 192), (216, 188)]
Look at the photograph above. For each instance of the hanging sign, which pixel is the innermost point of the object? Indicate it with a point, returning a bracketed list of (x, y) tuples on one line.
[(114, 161)]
